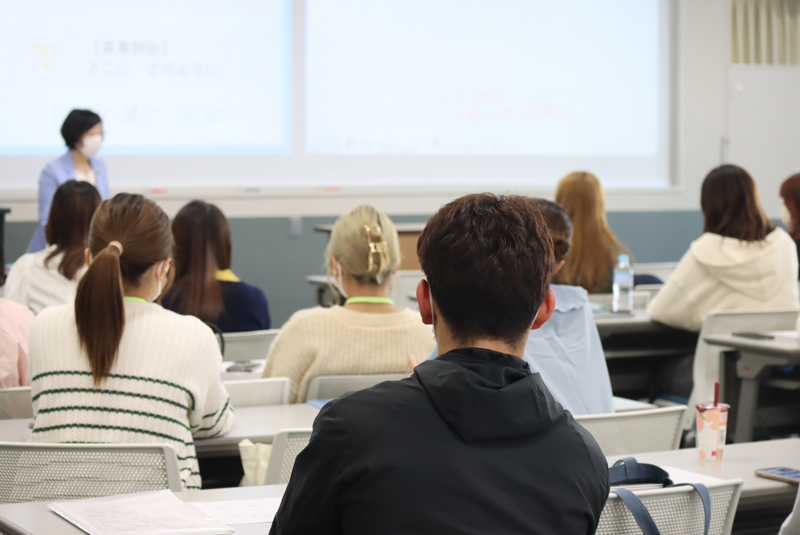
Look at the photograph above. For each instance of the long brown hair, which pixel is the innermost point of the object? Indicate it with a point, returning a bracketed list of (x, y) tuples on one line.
[(67, 227), (560, 226), (202, 246), (594, 247), (790, 193), (142, 229), (731, 207)]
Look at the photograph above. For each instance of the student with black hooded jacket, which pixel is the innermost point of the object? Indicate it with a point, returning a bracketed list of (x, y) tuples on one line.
[(472, 442)]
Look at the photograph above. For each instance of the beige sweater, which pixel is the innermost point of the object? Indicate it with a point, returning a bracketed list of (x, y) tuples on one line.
[(339, 341)]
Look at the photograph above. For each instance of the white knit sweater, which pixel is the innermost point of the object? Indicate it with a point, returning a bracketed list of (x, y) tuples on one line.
[(164, 386), (339, 341)]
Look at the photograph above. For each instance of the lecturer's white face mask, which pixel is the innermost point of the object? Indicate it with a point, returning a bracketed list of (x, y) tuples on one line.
[(786, 216), (91, 145)]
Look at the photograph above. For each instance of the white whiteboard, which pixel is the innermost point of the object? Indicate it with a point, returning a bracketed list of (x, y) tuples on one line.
[(764, 126)]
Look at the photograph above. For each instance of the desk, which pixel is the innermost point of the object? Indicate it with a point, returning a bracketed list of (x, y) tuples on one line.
[(756, 356), (407, 237), (741, 462), (36, 519), (259, 424)]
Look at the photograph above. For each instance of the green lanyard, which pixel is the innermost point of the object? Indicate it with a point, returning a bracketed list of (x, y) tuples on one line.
[(373, 300), (131, 299)]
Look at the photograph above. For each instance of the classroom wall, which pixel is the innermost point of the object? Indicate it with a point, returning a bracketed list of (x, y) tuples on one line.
[(266, 254)]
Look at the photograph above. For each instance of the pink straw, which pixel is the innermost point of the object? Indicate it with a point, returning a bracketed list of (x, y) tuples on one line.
[(716, 393)]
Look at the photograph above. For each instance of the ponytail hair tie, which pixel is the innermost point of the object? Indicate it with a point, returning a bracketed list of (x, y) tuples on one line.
[(115, 243), (377, 247)]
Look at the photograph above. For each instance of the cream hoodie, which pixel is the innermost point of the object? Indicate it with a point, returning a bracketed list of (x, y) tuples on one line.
[(719, 273)]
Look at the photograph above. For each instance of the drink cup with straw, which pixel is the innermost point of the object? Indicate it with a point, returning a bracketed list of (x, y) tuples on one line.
[(712, 427)]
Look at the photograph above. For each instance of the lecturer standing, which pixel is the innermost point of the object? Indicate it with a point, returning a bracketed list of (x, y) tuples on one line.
[(83, 133)]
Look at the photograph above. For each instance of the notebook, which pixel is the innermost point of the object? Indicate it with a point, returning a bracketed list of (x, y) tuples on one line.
[(143, 513)]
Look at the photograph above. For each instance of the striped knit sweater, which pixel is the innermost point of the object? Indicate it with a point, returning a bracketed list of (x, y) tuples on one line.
[(340, 341), (164, 386)]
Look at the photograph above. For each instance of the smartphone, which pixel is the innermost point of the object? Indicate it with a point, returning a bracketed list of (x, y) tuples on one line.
[(787, 475), (755, 336)]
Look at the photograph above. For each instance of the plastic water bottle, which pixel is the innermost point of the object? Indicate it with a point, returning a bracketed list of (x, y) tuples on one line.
[(623, 285)]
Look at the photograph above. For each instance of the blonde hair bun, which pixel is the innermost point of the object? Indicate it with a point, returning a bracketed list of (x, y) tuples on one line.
[(364, 242)]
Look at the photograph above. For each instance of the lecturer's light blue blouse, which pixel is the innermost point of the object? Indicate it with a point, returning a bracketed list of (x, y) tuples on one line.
[(54, 174), (567, 353)]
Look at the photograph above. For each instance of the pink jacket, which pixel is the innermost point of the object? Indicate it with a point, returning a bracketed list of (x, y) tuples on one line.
[(15, 326)]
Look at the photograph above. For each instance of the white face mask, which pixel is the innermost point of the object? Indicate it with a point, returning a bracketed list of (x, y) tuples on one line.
[(338, 282), (786, 216), (164, 270), (91, 145)]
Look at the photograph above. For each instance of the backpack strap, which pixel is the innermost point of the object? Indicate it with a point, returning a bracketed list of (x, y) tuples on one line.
[(702, 490), (639, 512), (628, 471)]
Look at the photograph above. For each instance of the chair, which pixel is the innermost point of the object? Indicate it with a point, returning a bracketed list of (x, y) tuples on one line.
[(675, 511), (708, 365), (259, 392), (405, 285), (252, 345), (333, 386), (43, 472), (16, 403), (286, 445), (625, 433)]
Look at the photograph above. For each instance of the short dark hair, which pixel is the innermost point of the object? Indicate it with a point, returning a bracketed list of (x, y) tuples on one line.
[(560, 226), (488, 261), (77, 123), (731, 207)]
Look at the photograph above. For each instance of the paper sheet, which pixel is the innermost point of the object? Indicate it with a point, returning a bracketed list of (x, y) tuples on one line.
[(684, 476), (233, 512)]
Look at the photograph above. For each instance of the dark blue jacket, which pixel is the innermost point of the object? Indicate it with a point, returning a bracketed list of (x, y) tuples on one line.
[(244, 307)]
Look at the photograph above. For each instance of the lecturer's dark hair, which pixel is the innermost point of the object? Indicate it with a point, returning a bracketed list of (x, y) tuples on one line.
[(77, 123), (142, 229), (488, 261), (731, 206), (71, 211), (202, 246)]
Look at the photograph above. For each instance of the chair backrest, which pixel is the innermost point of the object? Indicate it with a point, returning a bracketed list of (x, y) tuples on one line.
[(640, 299), (240, 347), (16, 403), (662, 270), (707, 361), (259, 392), (333, 386), (625, 433), (40, 472), (675, 511), (286, 445), (406, 284)]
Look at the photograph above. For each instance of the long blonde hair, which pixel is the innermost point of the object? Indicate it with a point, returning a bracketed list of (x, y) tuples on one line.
[(365, 243), (594, 247)]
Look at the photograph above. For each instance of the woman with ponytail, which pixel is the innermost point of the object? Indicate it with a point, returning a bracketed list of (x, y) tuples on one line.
[(117, 368), (368, 335)]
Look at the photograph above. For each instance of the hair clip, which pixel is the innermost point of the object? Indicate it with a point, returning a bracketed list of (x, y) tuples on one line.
[(377, 245)]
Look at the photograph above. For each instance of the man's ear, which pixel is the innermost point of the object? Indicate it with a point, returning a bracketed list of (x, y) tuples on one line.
[(546, 310), (424, 300), (88, 254)]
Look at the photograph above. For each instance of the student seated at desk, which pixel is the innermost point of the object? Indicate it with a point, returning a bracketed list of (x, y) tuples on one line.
[(368, 335), (204, 284), (50, 276), (472, 442), (790, 209), (15, 328), (741, 262), (594, 247), (566, 351), (117, 368)]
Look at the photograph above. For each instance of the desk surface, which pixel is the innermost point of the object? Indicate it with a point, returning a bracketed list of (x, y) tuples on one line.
[(259, 424), (741, 460), (782, 345), (36, 519)]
